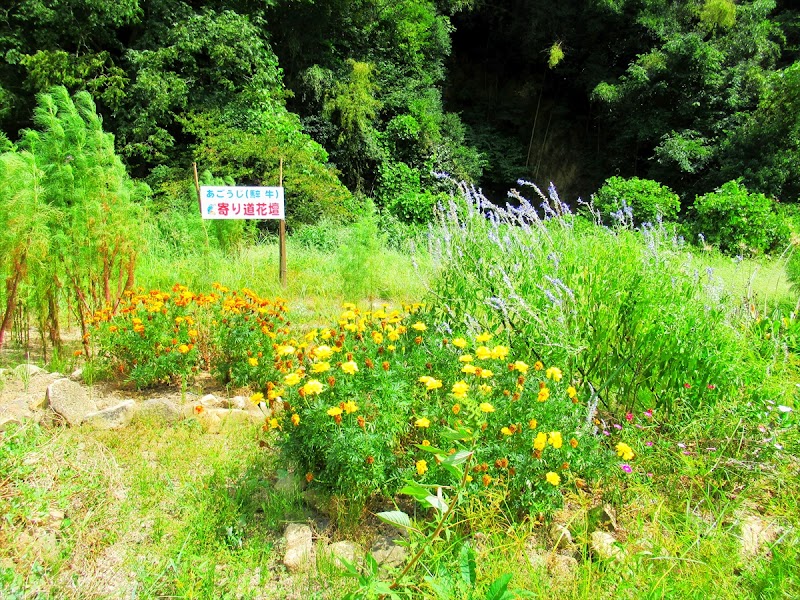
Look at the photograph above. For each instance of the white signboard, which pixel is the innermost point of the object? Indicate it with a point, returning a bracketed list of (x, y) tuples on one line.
[(236, 202)]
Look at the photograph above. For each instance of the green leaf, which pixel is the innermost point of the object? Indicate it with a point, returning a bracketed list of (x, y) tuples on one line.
[(397, 518), (466, 564), (437, 502), (457, 458), (415, 490), (431, 449), (499, 588)]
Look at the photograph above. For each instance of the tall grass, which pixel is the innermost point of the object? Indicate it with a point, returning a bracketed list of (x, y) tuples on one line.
[(636, 317)]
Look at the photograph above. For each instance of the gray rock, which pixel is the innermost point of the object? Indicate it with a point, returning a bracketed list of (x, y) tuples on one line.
[(28, 370), (756, 534), (605, 546), (70, 400), (114, 417), (560, 537), (237, 402), (560, 567), (16, 412), (299, 554), (388, 553), (160, 410), (76, 375), (345, 551)]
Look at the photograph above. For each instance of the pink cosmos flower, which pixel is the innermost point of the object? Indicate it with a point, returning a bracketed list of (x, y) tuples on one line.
[(626, 467)]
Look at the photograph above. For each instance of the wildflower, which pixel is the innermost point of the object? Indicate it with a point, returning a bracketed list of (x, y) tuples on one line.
[(460, 343), (309, 477), (540, 442), (520, 366), (486, 407), (469, 369), (624, 451), (252, 360), (543, 395), (486, 479), (465, 358), (573, 442), (349, 407), (350, 367), (257, 398), (334, 411), (460, 389), (183, 349), (572, 392), (499, 352), (532, 423), (292, 379), (456, 409), (482, 352), (419, 326), (295, 419), (485, 389), (629, 417), (320, 367), (486, 373), (422, 422), (285, 350), (687, 385), (553, 373), (555, 439), (422, 467), (377, 337), (506, 431), (431, 383), (322, 352), (312, 387), (273, 424), (483, 337), (626, 467), (426, 443), (553, 478), (193, 333), (538, 366)]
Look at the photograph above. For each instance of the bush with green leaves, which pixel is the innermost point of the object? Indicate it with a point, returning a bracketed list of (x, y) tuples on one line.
[(739, 222), (647, 201)]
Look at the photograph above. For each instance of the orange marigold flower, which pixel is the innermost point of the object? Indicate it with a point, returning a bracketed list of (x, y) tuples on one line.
[(486, 479), (309, 477)]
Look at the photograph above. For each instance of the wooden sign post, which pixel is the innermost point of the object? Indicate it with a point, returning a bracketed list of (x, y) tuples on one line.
[(281, 236)]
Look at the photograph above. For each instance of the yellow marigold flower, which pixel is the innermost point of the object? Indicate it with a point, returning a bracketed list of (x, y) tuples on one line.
[(183, 349), (460, 389), (178, 320), (572, 392), (456, 409), (325, 334), (422, 467), (541, 441), (532, 423), (273, 424), (553, 478), (193, 333), (295, 419), (320, 367), (544, 394), (482, 352), (275, 393), (538, 366), (499, 352), (285, 350), (486, 407), (555, 439), (422, 422), (292, 379), (350, 407), (334, 411), (390, 347), (469, 368), (257, 398), (553, 373), (349, 315), (465, 358), (431, 383), (521, 366), (350, 367), (322, 352), (377, 337), (252, 360), (483, 337), (350, 327), (312, 387), (393, 335), (311, 335), (506, 431), (419, 326), (426, 443), (460, 343), (486, 374), (624, 451), (485, 389)]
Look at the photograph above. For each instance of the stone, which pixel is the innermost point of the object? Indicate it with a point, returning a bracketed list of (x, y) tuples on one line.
[(70, 400), (28, 370), (388, 553), (211, 401), (756, 534), (605, 546), (16, 412), (560, 537), (537, 558), (237, 402), (160, 410), (76, 375), (299, 554), (113, 417), (345, 551), (560, 567)]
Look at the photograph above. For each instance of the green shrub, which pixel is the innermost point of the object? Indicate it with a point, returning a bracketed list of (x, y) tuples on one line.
[(647, 200), (738, 222), (323, 236)]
